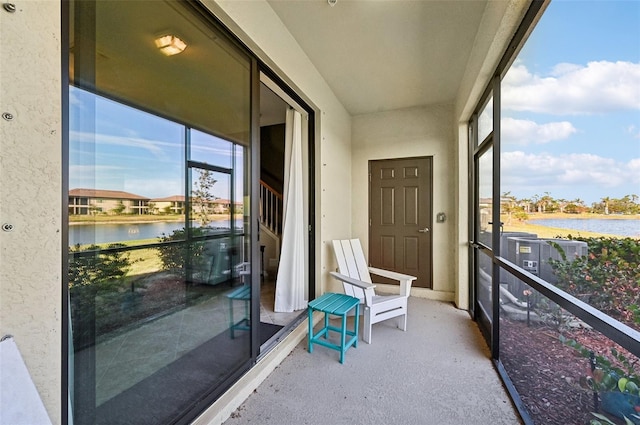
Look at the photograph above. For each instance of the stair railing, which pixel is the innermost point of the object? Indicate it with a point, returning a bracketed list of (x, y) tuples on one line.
[(270, 208)]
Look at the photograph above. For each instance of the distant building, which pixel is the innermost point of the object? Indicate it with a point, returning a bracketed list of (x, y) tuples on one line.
[(111, 202), (221, 206), (169, 205), (95, 201)]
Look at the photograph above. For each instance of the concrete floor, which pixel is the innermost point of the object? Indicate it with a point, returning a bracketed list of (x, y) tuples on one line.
[(438, 372)]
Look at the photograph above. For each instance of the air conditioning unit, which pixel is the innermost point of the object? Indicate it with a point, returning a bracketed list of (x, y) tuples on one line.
[(533, 254), (504, 237), (487, 239), (572, 250), (506, 277)]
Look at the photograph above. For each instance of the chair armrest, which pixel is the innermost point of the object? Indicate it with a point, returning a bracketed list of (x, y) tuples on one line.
[(352, 281), (404, 279), (243, 267), (391, 275), (356, 288)]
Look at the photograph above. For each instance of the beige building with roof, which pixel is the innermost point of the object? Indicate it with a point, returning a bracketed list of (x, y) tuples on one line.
[(94, 201), (168, 205)]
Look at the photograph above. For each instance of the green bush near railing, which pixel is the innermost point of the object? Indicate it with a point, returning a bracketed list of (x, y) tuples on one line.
[(177, 255), (99, 269), (96, 273), (616, 380), (608, 278)]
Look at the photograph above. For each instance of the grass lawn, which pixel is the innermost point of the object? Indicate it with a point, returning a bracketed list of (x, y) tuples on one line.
[(138, 218), (144, 261), (550, 232)]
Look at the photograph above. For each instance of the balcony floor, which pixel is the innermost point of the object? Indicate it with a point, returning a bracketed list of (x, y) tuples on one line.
[(438, 372)]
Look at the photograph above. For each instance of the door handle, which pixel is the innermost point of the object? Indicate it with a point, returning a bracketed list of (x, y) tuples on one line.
[(425, 230)]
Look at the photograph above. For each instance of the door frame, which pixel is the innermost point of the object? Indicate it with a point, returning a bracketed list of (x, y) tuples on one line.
[(273, 82)]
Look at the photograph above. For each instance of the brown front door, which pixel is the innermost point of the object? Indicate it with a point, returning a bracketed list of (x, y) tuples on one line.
[(400, 193)]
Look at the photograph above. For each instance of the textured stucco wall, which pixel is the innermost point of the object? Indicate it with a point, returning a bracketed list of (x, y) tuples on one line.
[(423, 131), (30, 191)]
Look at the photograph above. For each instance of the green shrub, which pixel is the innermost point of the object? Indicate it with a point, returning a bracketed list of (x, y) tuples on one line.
[(177, 254), (608, 278), (92, 266), (95, 273), (616, 372)]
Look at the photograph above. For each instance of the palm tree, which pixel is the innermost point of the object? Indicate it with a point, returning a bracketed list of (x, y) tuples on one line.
[(562, 204), (580, 205), (635, 208), (543, 201), (606, 201), (507, 204), (536, 199)]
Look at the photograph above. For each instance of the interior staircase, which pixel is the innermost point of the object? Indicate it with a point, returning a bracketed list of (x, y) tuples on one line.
[(271, 211)]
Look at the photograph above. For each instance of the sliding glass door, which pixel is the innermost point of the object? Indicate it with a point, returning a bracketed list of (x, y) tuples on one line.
[(159, 211)]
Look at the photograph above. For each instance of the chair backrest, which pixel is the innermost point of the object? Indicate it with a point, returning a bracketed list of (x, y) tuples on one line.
[(351, 262)]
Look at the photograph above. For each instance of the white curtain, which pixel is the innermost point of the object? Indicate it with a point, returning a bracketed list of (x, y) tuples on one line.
[(290, 283)]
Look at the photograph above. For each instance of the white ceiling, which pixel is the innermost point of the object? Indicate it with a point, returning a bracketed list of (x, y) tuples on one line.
[(386, 54)]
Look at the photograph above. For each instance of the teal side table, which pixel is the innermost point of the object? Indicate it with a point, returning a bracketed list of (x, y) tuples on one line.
[(242, 294), (337, 305)]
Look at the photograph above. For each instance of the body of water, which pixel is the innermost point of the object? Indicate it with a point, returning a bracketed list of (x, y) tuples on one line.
[(99, 233), (610, 226)]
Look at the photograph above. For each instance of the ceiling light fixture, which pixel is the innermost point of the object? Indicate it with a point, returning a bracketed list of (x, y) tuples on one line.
[(332, 2), (170, 45)]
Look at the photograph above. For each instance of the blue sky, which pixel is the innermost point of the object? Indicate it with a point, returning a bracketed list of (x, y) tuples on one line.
[(571, 104), (137, 152)]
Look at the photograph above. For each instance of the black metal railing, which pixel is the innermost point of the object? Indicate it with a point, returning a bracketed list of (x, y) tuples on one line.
[(622, 334)]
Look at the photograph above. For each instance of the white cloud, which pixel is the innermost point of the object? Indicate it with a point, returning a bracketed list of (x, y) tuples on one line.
[(93, 176), (524, 132), (634, 170), (153, 147), (572, 89), (536, 173), (90, 171), (634, 131)]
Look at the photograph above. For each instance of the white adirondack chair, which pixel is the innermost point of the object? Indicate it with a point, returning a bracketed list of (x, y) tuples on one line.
[(355, 276)]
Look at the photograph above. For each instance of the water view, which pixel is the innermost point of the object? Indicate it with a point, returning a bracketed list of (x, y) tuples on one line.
[(100, 233), (612, 226)]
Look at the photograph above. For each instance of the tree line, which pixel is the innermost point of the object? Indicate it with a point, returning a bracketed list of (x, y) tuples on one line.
[(545, 203)]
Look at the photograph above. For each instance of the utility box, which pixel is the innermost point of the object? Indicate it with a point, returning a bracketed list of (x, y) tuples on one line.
[(506, 277), (533, 255)]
